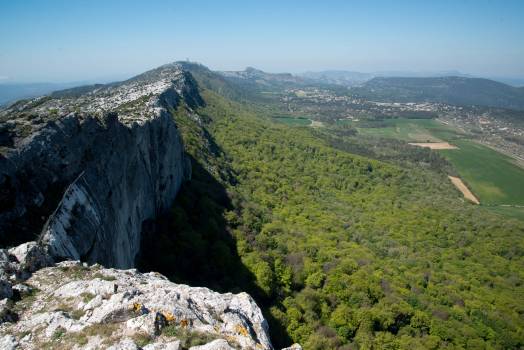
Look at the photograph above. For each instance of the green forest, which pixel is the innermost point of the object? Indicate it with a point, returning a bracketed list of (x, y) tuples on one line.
[(344, 243)]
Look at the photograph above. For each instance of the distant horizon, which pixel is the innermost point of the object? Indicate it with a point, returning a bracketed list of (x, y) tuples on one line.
[(519, 80), (98, 40)]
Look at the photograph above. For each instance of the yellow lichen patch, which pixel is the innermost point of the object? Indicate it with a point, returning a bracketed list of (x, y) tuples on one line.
[(242, 330), (136, 307), (169, 316), (139, 308), (184, 323)]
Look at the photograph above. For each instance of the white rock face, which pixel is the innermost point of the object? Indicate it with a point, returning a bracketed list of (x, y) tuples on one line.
[(174, 345), (294, 347), (86, 307), (30, 256), (219, 344), (8, 342), (92, 166)]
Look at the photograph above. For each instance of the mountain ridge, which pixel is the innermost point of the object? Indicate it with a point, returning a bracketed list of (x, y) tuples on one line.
[(451, 90), (340, 245)]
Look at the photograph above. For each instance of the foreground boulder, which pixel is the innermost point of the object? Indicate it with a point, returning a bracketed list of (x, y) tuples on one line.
[(72, 305)]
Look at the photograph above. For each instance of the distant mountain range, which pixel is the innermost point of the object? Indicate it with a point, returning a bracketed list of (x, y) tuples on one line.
[(339, 77), (10, 92), (451, 90), (352, 78), (264, 78), (450, 87)]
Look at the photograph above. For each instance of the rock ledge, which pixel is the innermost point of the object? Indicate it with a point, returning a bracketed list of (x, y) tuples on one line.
[(72, 305)]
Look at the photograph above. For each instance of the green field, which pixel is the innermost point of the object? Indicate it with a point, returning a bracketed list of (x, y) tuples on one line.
[(293, 121), (493, 177), (411, 130), (513, 212)]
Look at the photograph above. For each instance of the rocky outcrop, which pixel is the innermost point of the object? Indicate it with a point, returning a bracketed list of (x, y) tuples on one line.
[(72, 305), (85, 168)]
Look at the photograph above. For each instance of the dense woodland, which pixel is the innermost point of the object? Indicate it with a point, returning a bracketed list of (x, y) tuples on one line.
[(344, 243)]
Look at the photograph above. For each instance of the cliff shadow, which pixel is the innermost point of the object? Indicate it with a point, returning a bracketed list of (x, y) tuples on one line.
[(192, 244)]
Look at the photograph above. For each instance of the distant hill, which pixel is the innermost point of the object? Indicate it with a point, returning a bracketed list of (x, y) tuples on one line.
[(261, 76), (264, 80), (452, 90), (339, 77), (10, 92), (256, 85), (352, 78), (516, 82)]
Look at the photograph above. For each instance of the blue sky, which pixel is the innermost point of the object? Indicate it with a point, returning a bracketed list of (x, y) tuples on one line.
[(57, 40)]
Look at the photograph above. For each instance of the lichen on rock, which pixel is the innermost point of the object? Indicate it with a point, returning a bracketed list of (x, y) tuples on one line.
[(79, 305)]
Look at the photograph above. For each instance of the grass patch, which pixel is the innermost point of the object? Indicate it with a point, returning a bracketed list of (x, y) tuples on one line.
[(58, 334), (410, 130), (62, 340), (27, 299), (65, 306), (187, 338), (87, 297), (511, 212), (75, 272), (77, 314), (102, 330), (293, 121), (142, 339), (493, 177), (23, 334), (104, 277)]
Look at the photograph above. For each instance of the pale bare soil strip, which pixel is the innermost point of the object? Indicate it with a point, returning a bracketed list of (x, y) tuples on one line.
[(464, 189), (434, 145), (316, 124)]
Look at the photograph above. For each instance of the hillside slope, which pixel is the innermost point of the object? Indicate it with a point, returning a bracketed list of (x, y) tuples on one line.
[(341, 251), (451, 90)]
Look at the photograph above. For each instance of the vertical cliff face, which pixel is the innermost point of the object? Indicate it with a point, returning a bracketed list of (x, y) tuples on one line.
[(84, 168)]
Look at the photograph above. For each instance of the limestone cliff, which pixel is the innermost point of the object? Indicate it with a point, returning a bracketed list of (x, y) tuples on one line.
[(84, 168)]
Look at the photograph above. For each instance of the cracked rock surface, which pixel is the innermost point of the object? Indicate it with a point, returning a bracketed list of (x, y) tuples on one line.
[(73, 306)]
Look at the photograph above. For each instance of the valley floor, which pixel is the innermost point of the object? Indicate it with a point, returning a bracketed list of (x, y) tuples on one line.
[(494, 178), (344, 240)]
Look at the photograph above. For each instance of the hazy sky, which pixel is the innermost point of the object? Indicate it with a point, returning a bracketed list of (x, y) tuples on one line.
[(70, 40)]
